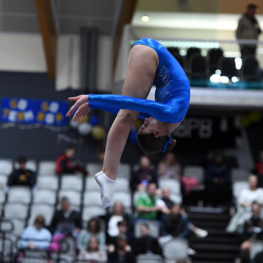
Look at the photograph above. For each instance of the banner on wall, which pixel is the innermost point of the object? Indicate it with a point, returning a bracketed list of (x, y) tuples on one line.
[(29, 111)]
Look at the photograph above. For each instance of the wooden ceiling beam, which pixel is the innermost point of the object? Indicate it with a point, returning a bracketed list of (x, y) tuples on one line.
[(49, 34)]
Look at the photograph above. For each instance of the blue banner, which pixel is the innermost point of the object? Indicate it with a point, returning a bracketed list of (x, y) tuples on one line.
[(28, 111)]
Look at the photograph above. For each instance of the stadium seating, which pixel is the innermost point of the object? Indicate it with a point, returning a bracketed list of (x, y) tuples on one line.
[(91, 184), (30, 165), (16, 210), (153, 225), (6, 166), (47, 167), (21, 194), (48, 182), (44, 196), (239, 175), (92, 211), (122, 184), (72, 182), (149, 259), (45, 210), (172, 184), (72, 195), (176, 248), (92, 198)]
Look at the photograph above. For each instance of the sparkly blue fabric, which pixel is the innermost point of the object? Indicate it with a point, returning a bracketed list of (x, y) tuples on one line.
[(172, 94)]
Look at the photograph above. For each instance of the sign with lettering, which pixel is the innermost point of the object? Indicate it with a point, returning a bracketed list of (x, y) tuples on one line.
[(29, 111)]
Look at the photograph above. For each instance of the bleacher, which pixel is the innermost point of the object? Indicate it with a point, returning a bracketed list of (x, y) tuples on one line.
[(20, 205)]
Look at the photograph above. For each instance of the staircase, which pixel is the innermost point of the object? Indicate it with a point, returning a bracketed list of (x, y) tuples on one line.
[(218, 246)]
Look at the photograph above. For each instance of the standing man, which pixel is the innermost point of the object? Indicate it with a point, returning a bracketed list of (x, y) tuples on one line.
[(248, 28)]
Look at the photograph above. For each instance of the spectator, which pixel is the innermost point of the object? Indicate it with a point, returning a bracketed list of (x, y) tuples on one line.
[(123, 230), (118, 214), (121, 254), (177, 225), (166, 197), (92, 252), (146, 244), (143, 175), (146, 205), (64, 165), (248, 28), (93, 229), (169, 167), (258, 258), (66, 220), (252, 194), (22, 176), (217, 179), (245, 200), (253, 230), (36, 236)]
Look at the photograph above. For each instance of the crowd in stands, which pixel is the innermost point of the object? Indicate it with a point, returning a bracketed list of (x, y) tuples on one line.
[(155, 218)]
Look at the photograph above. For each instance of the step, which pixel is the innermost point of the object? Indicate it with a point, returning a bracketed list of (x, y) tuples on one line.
[(216, 247), (215, 256), (204, 224), (216, 240), (209, 217)]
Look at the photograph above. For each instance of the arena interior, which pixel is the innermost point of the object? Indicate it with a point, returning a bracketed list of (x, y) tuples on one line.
[(200, 203)]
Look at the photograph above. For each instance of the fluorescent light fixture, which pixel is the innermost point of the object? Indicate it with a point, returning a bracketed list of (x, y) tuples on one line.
[(145, 18)]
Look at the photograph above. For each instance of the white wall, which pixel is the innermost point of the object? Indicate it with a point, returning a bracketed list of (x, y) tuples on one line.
[(25, 53), (21, 52)]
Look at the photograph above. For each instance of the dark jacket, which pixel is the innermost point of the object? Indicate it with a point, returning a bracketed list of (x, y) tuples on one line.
[(217, 171), (169, 203), (177, 226), (59, 217), (22, 177), (258, 258), (144, 244), (114, 257), (139, 175), (64, 166), (249, 224)]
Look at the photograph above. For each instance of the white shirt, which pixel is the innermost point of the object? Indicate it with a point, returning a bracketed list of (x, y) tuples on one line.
[(113, 227), (248, 196)]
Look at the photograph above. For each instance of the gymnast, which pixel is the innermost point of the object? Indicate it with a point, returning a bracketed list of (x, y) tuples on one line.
[(149, 64)]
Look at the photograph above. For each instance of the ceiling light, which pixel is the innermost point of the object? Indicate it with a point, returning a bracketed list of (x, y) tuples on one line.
[(145, 18)]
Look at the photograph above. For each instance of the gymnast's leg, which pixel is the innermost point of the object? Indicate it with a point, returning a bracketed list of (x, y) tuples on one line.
[(142, 65)]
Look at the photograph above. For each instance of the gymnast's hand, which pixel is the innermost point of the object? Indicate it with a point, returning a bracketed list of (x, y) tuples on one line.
[(82, 105)]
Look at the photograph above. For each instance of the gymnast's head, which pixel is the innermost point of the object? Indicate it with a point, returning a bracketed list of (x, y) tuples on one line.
[(154, 137)]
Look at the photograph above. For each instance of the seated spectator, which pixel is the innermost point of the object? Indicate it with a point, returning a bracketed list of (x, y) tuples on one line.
[(146, 244), (93, 229), (245, 200), (146, 205), (217, 180), (177, 225), (252, 194), (166, 197), (36, 236), (143, 175), (66, 220), (22, 176), (64, 165), (118, 214), (253, 229), (258, 258), (121, 253), (169, 167), (123, 230), (92, 252)]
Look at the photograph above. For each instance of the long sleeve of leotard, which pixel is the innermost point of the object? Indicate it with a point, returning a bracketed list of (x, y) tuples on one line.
[(115, 111), (170, 112)]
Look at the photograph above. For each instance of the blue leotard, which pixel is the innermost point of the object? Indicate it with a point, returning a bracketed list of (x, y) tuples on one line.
[(172, 93)]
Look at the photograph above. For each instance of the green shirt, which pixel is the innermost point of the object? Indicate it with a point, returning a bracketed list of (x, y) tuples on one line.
[(147, 201)]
